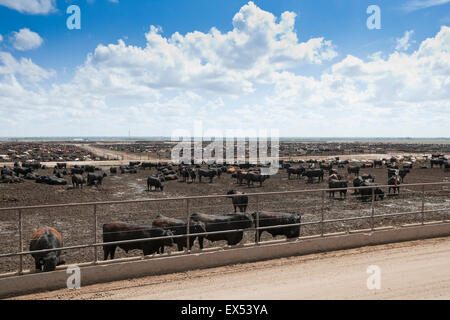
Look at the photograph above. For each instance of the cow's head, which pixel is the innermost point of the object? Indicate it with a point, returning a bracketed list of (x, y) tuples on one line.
[(49, 261), (198, 227), (168, 241)]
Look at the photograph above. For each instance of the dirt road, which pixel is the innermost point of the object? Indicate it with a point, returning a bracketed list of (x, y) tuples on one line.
[(410, 270)]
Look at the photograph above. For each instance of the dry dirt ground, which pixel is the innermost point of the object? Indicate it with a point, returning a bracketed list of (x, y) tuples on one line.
[(409, 270), (77, 223)]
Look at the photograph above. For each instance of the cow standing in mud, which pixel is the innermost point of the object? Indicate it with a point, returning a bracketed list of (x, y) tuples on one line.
[(394, 181), (153, 182), (338, 184), (240, 200), (78, 180), (252, 177), (206, 173), (313, 173)]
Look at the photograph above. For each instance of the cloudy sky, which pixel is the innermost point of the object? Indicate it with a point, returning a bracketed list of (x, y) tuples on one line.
[(306, 68)]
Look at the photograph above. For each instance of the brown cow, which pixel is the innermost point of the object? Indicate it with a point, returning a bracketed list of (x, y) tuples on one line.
[(46, 238)]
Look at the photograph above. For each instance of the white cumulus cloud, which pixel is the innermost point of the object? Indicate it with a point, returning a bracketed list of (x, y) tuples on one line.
[(30, 6), (25, 39), (404, 42), (248, 77), (218, 62)]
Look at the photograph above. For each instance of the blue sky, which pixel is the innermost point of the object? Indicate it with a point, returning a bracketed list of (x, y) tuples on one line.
[(55, 81)]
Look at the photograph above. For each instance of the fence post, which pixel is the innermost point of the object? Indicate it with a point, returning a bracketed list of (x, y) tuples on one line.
[(257, 221), (423, 204), (20, 242), (95, 234), (322, 214), (188, 219), (373, 208)]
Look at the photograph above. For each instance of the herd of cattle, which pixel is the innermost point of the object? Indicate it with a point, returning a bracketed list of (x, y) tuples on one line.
[(246, 173), (166, 231)]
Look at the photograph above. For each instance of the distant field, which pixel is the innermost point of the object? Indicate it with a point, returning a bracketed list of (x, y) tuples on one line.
[(437, 140)]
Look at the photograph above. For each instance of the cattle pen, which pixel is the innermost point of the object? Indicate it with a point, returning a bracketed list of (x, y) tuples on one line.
[(371, 216)]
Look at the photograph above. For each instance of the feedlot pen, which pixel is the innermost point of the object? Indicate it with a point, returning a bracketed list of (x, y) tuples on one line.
[(81, 223)]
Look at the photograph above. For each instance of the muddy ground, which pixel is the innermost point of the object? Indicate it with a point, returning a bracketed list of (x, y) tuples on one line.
[(77, 223)]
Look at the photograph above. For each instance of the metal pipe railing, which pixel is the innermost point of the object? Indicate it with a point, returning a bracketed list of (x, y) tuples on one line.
[(188, 235)]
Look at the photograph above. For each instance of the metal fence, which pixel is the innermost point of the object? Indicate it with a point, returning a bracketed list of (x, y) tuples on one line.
[(258, 202)]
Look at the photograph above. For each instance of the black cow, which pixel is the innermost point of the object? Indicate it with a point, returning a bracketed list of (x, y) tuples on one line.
[(402, 173), (252, 177), (221, 223), (240, 201), (89, 168), (337, 184), (179, 227), (120, 231), (366, 193), (206, 173), (395, 182), (113, 170), (42, 239), (267, 219), (51, 180), (313, 173), (184, 173), (59, 173), (32, 176), (218, 171), (154, 182), (437, 162), (240, 176), (78, 180), (127, 169), (296, 171), (10, 179), (76, 170), (22, 171), (95, 178), (145, 165), (354, 170), (377, 163)]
